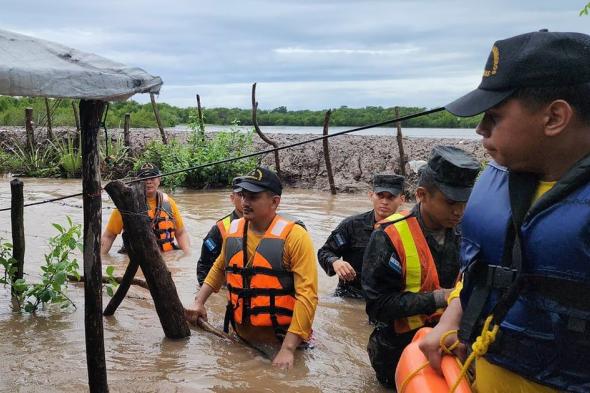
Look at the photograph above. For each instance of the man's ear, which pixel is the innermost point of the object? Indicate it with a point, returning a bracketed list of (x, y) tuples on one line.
[(557, 116), (421, 194)]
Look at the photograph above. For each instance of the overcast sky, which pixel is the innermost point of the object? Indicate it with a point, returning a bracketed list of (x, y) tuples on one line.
[(304, 54)]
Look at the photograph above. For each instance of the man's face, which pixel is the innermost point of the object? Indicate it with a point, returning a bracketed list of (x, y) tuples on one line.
[(385, 203), (513, 135), (438, 210), (236, 200), (151, 186), (259, 205)]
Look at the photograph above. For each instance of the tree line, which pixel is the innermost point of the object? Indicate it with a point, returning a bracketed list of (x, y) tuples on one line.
[(142, 115)]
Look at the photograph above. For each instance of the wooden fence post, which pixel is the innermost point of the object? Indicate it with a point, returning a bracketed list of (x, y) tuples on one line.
[(200, 119), (49, 128), (29, 129), (126, 135), (327, 153), (400, 144), (91, 112), (157, 114), (261, 134), (144, 251), (76, 116), (18, 227)]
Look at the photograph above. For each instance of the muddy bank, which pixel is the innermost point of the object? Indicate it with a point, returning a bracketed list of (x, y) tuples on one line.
[(354, 158)]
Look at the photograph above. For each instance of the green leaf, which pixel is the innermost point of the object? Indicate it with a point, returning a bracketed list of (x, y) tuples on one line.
[(110, 270), (60, 278), (109, 291), (58, 227)]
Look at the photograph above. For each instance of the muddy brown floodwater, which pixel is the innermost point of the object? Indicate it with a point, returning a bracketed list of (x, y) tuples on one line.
[(45, 352)]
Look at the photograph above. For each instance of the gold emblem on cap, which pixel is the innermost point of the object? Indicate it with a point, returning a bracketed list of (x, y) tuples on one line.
[(496, 60), (256, 175)]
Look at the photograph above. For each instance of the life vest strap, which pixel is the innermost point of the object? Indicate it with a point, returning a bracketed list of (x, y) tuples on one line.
[(248, 272), (251, 292), (271, 310)]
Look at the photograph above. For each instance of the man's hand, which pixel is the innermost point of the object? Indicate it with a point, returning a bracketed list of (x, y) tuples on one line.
[(284, 359), (194, 312), (344, 270), (430, 345)]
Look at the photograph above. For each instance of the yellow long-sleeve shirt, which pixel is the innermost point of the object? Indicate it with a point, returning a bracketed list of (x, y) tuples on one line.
[(115, 224), (300, 258)]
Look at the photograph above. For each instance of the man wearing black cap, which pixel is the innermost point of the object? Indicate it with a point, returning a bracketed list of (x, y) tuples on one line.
[(214, 239), (166, 220), (342, 254), (412, 260), (271, 283), (525, 252)]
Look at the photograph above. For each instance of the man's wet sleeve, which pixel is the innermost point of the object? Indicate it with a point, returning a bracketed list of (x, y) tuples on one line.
[(332, 250), (209, 252), (383, 284)]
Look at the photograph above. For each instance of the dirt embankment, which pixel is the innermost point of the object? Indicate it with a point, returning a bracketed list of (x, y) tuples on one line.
[(354, 158)]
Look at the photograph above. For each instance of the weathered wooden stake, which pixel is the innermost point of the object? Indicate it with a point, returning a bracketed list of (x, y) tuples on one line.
[(261, 134), (327, 153), (122, 289), (76, 116), (200, 118), (144, 251), (29, 128), (90, 116), (126, 135), (400, 145), (18, 227), (49, 128), (157, 114)]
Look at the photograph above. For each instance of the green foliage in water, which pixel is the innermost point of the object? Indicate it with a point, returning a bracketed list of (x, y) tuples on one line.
[(68, 154), (196, 151), (59, 264)]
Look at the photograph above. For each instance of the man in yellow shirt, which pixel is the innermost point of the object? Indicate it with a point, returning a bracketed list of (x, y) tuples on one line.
[(525, 252), (166, 220), (272, 284)]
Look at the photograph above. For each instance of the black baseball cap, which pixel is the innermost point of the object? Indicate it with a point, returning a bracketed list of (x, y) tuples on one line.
[(453, 170), (537, 59), (148, 170), (385, 182), (261, 179)]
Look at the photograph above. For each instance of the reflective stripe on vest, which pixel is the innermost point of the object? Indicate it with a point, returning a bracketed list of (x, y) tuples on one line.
[(417, 264), (223, 225), (261, 293), (164, 225)]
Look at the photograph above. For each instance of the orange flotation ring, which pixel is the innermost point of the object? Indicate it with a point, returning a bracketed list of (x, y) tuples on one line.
[(426, 380)]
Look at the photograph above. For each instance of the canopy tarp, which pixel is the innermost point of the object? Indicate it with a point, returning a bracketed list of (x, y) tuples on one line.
[(34, 67)]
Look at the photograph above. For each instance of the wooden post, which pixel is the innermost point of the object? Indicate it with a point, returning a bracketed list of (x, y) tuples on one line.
[(122, 288), (327, 153), (200, 119), (90, 116), (157, 114), (76, 116), (18, 227), (126, 135), (400, 144), (261, 134), (144, 251), (29, 128), (49, 128)]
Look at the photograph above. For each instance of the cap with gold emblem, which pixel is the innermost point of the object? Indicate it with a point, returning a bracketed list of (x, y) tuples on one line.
[(537, 59), (260, 179)]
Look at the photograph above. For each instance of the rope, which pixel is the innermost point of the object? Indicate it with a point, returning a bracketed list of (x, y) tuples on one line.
[(262, 152), (479, 347), (412, 375)]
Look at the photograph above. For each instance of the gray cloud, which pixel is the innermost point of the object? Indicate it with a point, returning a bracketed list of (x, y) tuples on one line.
[(305, 53)]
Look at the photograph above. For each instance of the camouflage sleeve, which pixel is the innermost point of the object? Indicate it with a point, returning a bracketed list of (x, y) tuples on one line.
[(209, 252), (383, 284), (332, 250)]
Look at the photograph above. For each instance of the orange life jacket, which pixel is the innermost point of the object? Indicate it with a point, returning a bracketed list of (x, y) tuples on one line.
[(263, 293), (223, 225), (416, 264), (163, 222)]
